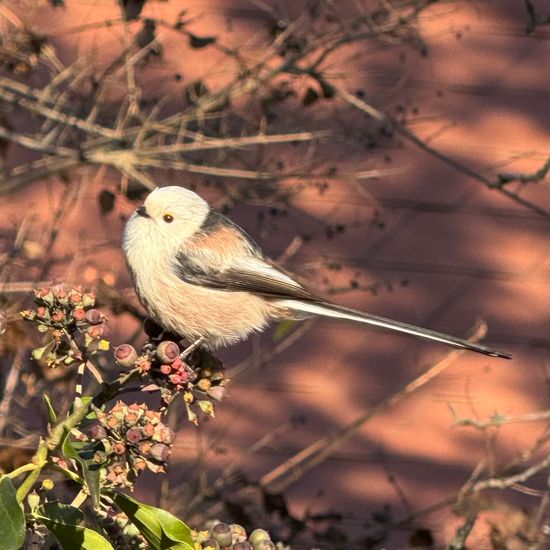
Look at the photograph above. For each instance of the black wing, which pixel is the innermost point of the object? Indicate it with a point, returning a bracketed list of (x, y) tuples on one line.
[(251, 275)]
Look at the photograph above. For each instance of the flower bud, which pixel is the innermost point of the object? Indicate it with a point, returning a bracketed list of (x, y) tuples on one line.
[(204, 384), (61, 294), (88, 298), (97, 432), (119, 448), (217, 392), (133, 435), (159, 452), (125, 355), (139, 463), (175, 379), (166, 435), (206, 407), (47, 484), (28, 314), (221, 533), (75, 296), (79, 314), (131, 418), (148, 430), (43, 312), (95, 331), (217, 376), (93, 316), (144, 364), (58, 316), (165, 369), (168, 351), (33, 500), (45, 295), (188, 397), (144, 448), (100, 457)]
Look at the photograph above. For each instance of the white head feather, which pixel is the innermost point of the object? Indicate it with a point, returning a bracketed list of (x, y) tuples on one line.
[(172, 215)]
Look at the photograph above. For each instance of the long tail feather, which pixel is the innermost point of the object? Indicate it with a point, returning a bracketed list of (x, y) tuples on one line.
[(331, 310)]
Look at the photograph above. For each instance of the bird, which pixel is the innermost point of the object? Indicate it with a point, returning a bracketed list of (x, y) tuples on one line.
[(201, 276)]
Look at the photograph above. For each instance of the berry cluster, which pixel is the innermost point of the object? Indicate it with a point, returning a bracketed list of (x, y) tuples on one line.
[(199, 379), (221, 536), (123, 534), (127, 440), (72, 327)]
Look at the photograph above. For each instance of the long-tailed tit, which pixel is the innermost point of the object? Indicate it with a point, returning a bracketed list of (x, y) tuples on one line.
[(201, 276)]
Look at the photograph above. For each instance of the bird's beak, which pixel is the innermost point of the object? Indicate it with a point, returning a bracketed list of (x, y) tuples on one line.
[(142, 211)]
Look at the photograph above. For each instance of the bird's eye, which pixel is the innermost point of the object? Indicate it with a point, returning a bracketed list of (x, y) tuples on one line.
[(168, 218)]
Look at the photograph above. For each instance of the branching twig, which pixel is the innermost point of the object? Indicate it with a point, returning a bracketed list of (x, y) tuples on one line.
[(295, 467)]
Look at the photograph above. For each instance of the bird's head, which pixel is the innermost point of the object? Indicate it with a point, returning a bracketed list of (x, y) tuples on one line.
[(169, 215)]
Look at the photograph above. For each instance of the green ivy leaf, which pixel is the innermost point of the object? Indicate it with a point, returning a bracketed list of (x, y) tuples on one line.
[(83, 452), (12, 519), (51, 413), (161, 530), (39, 353), (62, 521), (60, 513)]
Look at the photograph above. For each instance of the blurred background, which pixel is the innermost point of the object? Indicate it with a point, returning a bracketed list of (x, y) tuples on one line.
[(394, 155)]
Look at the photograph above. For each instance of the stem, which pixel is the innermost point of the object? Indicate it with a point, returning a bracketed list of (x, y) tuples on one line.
[(80, 498), (68, 473), (57, 435), (18, 471)]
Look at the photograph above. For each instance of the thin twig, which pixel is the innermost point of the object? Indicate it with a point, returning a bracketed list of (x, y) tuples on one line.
[(295, 467)]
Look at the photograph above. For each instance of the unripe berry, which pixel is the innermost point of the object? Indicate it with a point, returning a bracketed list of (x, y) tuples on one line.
[(125, 355), (97, 432), (238, 532), (168, 351), (133, 435), (93, 316), (210, 544), (242, 546), (221, 533), (257, 536), (159, 452)]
